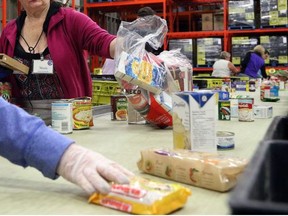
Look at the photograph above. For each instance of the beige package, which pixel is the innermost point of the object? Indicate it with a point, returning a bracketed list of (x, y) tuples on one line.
[(207, 170)]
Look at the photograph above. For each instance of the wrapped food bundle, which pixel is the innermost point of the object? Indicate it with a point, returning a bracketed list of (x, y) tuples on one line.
[(207, 170), (143, 196), (146, 78)]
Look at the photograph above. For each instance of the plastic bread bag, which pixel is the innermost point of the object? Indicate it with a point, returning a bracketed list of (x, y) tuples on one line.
[(143, 196), (179, 67), (207, 170)]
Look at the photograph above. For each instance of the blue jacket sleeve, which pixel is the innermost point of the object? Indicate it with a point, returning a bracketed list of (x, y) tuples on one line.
[(25, 140)]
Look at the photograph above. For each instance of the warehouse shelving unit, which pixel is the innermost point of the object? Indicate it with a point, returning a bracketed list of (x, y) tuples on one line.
[(3, 7), (175, 13)]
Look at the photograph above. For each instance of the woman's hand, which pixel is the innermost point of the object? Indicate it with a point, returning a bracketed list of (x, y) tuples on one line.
[(90, 170)]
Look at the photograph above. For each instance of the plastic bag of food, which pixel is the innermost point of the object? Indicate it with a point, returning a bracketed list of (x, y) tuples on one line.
[(207, 170), (179, 67), (143, 196)]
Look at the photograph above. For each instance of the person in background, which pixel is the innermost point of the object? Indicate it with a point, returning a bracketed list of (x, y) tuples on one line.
[(143, 12), (54, 37), (253, 62), (224, 67), (26, 141), (266, 56)]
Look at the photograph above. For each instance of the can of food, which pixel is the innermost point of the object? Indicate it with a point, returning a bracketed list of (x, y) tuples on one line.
[(62, 116), (119, 106), (245, 109), (225, 140), (82, 113), (224, 112), (5, 91), (140, 101)]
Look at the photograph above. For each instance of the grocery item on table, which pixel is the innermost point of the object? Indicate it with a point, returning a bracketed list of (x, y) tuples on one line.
[(225, 140), (143, 196), (245, 109), (207, 170), (5, 91), (194, 119), (82, 113)]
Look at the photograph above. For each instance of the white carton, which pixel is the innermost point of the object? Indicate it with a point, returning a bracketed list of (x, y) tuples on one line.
[(194, 119), (234, 107), (262, 111)]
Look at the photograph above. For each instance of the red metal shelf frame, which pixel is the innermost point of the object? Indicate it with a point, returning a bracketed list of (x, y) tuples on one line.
[(168, 12)]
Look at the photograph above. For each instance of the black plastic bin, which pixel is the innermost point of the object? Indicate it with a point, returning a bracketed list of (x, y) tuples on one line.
[(263, 187), (278, 129)]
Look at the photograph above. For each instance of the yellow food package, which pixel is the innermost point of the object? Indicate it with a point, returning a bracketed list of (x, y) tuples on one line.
[(143, 196)]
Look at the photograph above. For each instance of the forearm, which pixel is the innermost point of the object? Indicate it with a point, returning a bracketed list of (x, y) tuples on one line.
[(25, 140)]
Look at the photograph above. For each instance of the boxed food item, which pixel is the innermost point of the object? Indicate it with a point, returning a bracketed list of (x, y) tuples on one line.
[(142, 72), (207, 170), (143, 196), (194, 119), (261, 111), (13, 64), (207, 22)]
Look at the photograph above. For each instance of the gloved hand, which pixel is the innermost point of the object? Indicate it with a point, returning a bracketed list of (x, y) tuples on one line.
[(90, 170)]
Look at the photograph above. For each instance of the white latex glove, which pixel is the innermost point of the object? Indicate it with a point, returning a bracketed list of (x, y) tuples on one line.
[(90, 170)]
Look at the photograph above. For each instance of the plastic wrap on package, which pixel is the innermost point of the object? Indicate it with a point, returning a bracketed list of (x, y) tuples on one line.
[(207, 170), (179, 67), (144, 196)]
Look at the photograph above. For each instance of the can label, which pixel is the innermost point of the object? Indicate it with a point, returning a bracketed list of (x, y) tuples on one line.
[(245, 109), (82, 113), (225, 140), (119, 107), (62, 116), (224, 112), (140, 101), (5, 91), (264, 92)]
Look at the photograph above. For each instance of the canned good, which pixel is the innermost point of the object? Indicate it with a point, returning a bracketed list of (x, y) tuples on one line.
[(5, 91), (140, 101), (252, 85), (82, 113), (119, 106), (62, 116), (245, 109), (225, 140), (224, 111)]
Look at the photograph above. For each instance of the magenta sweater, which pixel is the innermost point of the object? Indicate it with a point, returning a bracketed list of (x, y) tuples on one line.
[(69, 34)]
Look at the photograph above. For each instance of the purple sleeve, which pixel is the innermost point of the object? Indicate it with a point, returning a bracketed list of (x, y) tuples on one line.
[(25, 140)]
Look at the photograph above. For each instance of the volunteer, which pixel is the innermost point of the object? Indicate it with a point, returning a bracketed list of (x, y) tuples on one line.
[(253, 62), (51, 40), (223, 67), (26, 141)]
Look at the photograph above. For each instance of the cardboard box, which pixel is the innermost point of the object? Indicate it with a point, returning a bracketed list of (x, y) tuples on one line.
[(207, 22), (13, 64), (136, 75), (194, 119), (262, 111), (218, 23)]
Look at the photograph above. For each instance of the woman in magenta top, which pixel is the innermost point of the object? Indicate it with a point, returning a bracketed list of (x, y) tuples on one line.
[(45, 30)]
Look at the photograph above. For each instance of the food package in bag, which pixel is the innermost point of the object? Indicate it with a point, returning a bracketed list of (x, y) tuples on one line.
[(143, 196), (179, 67), (207, 170)]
